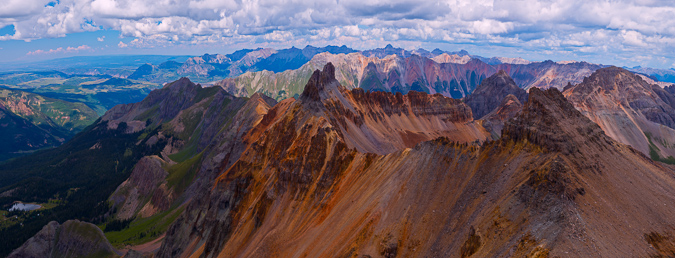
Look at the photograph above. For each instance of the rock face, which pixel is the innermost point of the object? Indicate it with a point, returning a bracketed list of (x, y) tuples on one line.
[(490, 93), (554, 184), (628, 109), (72, 239)]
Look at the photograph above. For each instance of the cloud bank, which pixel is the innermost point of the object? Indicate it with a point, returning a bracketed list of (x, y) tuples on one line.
[(644, 27), (59, 50)]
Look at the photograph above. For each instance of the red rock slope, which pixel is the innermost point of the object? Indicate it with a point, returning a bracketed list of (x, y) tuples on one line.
[(553, 185)]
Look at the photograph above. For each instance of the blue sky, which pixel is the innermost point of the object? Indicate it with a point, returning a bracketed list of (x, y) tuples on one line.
[(618, 32)]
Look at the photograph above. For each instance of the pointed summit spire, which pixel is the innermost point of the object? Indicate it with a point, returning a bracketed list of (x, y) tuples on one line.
[(318, 82)]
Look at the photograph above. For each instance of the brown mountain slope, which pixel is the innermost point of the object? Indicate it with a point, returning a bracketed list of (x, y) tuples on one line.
[(327, 113), (553, 185), (203, 127), (628, 109)]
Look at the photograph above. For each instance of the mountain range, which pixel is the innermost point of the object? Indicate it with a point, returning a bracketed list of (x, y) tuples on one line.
[(333, 152), (455, 78), (348, 172), (212, 67)]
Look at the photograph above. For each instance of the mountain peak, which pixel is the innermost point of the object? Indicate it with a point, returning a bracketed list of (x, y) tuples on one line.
[(319, 81), (499, 81), (550, 121), (609, 76), (183, 82), (490, 93)]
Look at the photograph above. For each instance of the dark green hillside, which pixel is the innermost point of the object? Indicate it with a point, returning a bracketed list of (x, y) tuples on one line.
[(80, 175), (75, 180)]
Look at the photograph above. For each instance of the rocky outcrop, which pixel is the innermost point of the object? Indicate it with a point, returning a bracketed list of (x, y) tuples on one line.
[(550, 121), (490, 93), (382, 122), (71, 239), (145, 192), (321, 83)]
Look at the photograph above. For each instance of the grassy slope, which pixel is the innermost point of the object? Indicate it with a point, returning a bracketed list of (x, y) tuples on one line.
[(654, 152), (144, 230)]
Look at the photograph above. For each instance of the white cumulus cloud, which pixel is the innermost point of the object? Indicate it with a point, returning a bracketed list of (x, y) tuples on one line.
[(554, 26)]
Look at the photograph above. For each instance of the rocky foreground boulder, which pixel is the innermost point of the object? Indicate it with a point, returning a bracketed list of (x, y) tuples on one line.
[(73, 238)]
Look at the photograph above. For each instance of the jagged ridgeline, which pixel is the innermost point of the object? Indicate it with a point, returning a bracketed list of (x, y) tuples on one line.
[(339, 172)]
